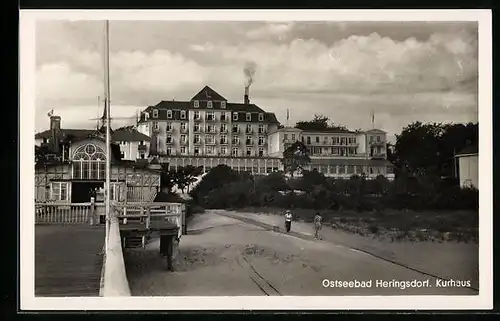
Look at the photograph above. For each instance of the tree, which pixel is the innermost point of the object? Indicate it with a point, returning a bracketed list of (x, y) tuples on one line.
[(186, 175), (295, 158), (216, 178), (312, 179), (320, 123), (427, 149), (167, 178)]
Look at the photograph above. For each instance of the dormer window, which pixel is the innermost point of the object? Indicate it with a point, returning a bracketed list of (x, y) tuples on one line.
[(209, 104), (261, 117), (196, 104), (169, 114), (155, 113), (183, 114), (235, 116), (249, 117), (223, 104)]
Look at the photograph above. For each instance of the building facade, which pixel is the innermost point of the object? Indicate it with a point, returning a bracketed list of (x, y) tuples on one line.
[(468, 167), (209, 131), (84, 171), (338, 153), (133, 144)]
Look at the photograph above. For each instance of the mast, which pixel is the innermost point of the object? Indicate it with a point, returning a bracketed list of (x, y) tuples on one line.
[(108, 141)]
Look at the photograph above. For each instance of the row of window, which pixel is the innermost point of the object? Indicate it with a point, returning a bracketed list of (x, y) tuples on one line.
[(197, 127), (351, 169), (348, 151), (210, 104), (210, 115), (212, 151), (59, 191), (210, 139)]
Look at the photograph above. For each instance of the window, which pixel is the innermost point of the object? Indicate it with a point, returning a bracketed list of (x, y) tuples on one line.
[(59, 191), (223, 104), (169, 127), (223, 128), (169, 114), (293, 137), (197, 127), (210, 115), (196, 104), (155, 125), (235, 152), (317, 139), (223, 117), (223, 150), (378, 138), (285, 137), (169, 139), (249, 128), (196, 151), (183, 139), (183, 114), (196, 139), (261, 129), (235, 129), (249, 140), (183, 150), (371, 139), (210, 150), (196, 114), (183, 127), (210, 128), (261, 117), (236, 140), (155, 113), (169, 151), (249, 117), (249, 152), (235, 116), (261, 152), (223, 139), (89, 162), (308, 139), (209, 139), (261, 140), (209, 104)]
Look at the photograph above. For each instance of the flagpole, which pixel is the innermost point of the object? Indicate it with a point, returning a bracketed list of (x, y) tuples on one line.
[(108, 141)]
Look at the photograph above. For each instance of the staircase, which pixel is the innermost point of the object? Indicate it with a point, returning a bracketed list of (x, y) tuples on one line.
[(134, 242)]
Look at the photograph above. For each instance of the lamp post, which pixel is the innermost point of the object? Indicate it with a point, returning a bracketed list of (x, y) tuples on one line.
[(108, 147)]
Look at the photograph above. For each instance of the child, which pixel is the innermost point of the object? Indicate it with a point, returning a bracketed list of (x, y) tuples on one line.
[(318, 222), (288, 220)]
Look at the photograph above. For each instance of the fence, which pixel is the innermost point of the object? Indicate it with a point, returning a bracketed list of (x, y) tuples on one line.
[(64, 213)]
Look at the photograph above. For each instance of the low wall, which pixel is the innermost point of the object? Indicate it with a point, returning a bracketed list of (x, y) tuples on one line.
[(115, 281)]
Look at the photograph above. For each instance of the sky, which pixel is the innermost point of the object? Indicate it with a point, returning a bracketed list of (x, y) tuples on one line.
[(402, 71)]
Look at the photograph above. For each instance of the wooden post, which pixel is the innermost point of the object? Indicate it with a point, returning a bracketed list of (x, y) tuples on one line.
[(148, 217), (125, 214), (92, 212)]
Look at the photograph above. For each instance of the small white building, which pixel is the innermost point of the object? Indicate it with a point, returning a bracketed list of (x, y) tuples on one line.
[(468, 167)]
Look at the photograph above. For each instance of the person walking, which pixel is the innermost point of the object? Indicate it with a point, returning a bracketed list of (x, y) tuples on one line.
[(318, 223), (288, 220)]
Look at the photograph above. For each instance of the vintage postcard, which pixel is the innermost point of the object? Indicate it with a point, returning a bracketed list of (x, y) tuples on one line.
[(264, 160)]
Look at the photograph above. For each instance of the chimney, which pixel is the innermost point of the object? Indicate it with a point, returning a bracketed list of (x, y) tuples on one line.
[(55, 129), (247, 100)]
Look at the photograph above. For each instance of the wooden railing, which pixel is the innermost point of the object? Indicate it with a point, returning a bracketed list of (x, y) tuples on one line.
[(63, 213), (149, 213)]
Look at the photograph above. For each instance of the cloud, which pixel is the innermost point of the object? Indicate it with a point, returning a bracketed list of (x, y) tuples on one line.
[(276, 30), (402, 77)]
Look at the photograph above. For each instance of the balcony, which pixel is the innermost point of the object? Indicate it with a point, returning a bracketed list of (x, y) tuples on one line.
[(183, 142), (197, 130), (210, 118), (197, 118), (210, 142), (184, 130), (262, 143), (249, 131), (249, 142), (169, 142), (223, 130), (235, 142), (223, 118), (235, 130), (197, 141), (377, 143), (262, 131), (223, 142)]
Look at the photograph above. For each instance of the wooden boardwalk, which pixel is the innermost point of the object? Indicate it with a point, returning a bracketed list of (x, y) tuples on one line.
[(68, 260)]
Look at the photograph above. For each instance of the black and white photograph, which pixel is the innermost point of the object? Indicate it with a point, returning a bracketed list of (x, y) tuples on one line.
[(256, 160)]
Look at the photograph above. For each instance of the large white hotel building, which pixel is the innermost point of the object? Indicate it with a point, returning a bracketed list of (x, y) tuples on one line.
[(208, 131)]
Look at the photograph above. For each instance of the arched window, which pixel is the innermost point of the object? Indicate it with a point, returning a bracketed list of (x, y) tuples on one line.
[(89, 162)]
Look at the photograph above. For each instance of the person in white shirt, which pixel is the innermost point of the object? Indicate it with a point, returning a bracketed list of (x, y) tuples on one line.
[(288, 220)]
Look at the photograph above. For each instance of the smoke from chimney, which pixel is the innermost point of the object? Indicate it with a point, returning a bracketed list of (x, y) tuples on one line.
[(249, 71)]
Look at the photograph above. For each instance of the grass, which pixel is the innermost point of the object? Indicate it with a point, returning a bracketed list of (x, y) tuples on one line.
[(460, 226)]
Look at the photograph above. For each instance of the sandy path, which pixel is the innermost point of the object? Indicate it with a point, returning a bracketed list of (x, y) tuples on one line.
[(224, 256), (447, 260)]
